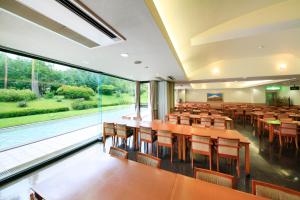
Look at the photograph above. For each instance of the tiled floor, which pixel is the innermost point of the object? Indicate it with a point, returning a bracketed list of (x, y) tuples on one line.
[(29, 155), (268, 163)]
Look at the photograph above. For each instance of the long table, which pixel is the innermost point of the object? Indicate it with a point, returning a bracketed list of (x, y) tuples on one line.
[(106, 177), (184, 131)]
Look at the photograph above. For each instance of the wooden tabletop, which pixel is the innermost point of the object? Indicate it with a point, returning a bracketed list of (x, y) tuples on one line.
[(190, 188), (105, 177)]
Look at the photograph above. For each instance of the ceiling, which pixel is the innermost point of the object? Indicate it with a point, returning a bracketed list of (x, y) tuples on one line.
[(131, 19), (232, 39)]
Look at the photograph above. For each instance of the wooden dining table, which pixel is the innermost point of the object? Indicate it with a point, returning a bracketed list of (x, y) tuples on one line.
[(183, 132), (106, 177)]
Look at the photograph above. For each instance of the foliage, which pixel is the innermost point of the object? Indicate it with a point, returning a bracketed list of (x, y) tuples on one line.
[(8, 95), (49, 95), (108, 89), (22, 104), (82, 105), (31, 111), (74, 92)]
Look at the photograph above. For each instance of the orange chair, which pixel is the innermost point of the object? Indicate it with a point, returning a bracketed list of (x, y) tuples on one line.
[(206, 121), (229, 148), (173, 118), (287, 131), (164, 139), (215, 177), (147, 136), (109, 130), (148, 160), (123, 132), (274, 192), (201, 145), (118, 153), (185, 120), (220, 123)]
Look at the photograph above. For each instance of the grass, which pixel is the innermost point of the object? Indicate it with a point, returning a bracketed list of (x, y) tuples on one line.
[(43, 103), (7, 122)]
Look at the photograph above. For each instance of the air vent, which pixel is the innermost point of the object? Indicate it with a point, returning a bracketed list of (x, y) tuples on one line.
[(69, 18)]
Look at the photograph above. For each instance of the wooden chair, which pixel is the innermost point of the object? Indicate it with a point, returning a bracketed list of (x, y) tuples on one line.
[(109, 130), (239, 114), (201, 145), (206, 121), (220, 123), (215, 177), (173, 118), (126, 117), (147, 136), (148, 160), (119, 153), (273, 192), (185, 120), (123, 132), (283, 116), (165, 139), (229, 148), (287, 131), (198, 125)]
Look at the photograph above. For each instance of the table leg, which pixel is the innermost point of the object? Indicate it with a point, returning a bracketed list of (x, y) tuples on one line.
[(271, 133), (247, 159), (183, 148), (136, 136), (179, 146)]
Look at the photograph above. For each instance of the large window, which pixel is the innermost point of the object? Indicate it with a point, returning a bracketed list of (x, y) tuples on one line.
[(39, 100)]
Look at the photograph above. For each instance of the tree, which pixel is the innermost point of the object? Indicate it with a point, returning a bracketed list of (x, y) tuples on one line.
[(5, 71), (34, 82)]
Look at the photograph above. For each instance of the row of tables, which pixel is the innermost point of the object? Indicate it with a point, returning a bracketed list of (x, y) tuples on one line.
[(106, 177), (184, 131)]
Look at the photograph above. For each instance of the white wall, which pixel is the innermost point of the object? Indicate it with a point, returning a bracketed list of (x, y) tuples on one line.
[(293, 94), (246, 95)]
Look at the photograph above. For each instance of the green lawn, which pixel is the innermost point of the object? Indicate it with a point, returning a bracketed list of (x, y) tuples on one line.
[(7, 122), (52, 103)]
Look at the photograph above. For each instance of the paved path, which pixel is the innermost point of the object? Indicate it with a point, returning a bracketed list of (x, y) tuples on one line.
[(16, 136)]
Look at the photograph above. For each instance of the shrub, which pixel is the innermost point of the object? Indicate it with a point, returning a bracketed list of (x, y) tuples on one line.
[(107, 89), (49, 95), (22, 104), (74, 92), (9, 95), (59, 100), (82, 105), (32, 112)]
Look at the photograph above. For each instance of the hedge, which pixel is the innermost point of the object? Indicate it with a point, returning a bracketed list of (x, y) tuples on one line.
[(74, 92), (83, 105), (10, 95), (32, 111)]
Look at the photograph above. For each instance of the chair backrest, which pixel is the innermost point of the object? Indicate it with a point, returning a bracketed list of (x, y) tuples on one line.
[(205, 121), (173, 118), (126, 117), (137, 118), (146, 134), (219, 123), (120, 153), (274, 192), (121, 129), (164, 137), (198, 125), (283, 116), (268, 115), (108, 128), (201, 143), (288, 128), (185, 120), (215, 177), (228, 147), (148, 160)]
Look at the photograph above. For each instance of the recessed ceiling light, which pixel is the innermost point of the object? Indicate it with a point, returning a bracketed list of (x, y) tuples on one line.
[(228, 84), (261, 46), (137, 62), (282, 66), (216, 71), (125, 55), (203, 86)]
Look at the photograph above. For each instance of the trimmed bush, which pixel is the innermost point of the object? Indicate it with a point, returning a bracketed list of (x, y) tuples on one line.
[(32, 111), (11, 95), (22, 104), (49, 95), (74, 92), (107, 89), (82, 105)]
